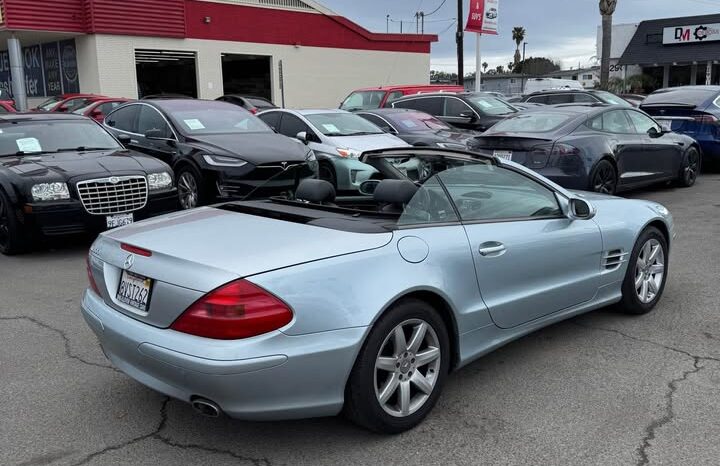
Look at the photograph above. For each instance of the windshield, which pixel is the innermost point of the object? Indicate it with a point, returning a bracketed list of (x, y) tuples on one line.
[(416, 122), (363, 100), (688, 96), (612, 99), (83, 109), (491, 105), (50, 103), (535, 122), (342, 124), (42, 137), (217, 119)]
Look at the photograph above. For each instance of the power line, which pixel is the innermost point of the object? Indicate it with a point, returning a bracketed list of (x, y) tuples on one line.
[(436, 9)]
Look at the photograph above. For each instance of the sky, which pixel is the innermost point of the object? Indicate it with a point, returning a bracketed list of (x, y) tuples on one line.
[(563, 30)]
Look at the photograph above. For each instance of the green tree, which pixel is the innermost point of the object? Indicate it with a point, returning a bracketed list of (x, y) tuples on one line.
[(536, 66), (518, 35), (485, 66), (607, 9), (500, 69)]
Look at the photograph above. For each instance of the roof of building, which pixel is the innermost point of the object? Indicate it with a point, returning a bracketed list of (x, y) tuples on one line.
[(646, 46), (575, 71)]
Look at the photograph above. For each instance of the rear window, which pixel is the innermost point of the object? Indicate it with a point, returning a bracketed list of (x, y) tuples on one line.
[(684, 96), (532, 123)]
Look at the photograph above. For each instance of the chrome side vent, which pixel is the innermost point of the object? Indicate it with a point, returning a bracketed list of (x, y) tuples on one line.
[(612, 260)]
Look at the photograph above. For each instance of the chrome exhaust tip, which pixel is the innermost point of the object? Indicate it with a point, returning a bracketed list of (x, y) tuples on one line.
[(205, 407)]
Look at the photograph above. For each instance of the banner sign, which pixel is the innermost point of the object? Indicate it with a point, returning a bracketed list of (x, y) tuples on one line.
[(483, 17), (50, 69), (691, 34)]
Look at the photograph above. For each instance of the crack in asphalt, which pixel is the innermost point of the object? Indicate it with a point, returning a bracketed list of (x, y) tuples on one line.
[(669, 416), (66, 341), (155, 434)]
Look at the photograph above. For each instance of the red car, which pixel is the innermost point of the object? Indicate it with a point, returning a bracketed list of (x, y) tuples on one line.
[(378, 97), (7, 106), (97, 109), (67, 102)]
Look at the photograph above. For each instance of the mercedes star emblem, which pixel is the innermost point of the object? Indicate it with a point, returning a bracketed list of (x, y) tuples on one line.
[(129, 261)]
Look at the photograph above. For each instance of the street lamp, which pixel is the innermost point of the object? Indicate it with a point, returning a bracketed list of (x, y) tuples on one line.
[(522, 69)]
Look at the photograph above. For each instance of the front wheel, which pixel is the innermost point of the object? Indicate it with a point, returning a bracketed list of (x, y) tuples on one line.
[(400, 370), (190, 188), (690, 168), (646, 274), (13, 239), (604, 178)]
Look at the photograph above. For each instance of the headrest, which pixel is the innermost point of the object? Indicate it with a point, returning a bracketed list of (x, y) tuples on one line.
[(395, 191), (315, 191)]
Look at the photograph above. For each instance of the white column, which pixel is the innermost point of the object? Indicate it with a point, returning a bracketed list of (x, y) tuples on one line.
[(17, 73), (478, 63)]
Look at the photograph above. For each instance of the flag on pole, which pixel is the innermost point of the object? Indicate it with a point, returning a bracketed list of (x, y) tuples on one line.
[(483, 17)]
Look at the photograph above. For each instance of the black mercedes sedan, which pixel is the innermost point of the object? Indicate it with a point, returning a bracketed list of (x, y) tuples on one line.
[(216, 149), (595, 147), (64, 174), (418, 128)]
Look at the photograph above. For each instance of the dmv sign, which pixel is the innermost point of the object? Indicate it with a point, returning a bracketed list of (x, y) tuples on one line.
[(691, 34)]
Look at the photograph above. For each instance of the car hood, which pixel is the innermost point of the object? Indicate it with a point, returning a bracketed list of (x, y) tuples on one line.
[(65, 166), (367, 142), (256, 148), (230, 245)]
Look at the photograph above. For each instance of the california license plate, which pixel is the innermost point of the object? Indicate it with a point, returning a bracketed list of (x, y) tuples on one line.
[(134, 290), (119, 220), (503, 154)]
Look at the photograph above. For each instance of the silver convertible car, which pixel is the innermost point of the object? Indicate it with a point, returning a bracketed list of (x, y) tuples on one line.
[(280, 309)]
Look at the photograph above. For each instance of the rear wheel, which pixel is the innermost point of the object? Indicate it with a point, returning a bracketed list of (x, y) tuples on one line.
[(690, 168), (603, 178), (190, 188), (13, 239), (400, 370), (646, 274)]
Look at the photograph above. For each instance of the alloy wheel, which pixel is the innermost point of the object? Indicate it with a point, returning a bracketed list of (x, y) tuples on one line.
[(604, 180), (693, 168), (188, 191), (407, 368), (649, 271)]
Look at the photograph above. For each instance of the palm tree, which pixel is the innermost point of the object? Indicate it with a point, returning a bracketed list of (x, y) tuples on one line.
[(485, 66), (518, 35), (607, 9)]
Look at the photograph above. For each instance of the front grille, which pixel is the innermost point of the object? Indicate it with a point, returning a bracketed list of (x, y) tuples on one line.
[(114, 195)]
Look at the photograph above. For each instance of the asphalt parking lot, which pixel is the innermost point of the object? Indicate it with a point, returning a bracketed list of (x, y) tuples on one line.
[(600, 389)]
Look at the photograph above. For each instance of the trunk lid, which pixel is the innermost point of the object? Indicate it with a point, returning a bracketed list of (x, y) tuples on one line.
[(531, 151), (682, 118)]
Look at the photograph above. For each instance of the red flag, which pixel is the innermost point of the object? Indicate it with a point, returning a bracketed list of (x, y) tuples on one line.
[(483, 17)]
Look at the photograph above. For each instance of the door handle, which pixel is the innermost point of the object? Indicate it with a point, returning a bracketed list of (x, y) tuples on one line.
[(492, 248)]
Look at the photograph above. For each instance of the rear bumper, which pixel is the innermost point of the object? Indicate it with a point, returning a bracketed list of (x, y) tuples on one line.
[(70, 217), (269, 377)]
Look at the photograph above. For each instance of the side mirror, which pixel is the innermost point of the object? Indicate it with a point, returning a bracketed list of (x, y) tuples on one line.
[(469, 116), (124, 139), (63, 108), (580, 209), (302, 136), (367, 188), (654, 133)]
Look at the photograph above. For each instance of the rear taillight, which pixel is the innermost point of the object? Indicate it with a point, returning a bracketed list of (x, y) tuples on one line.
[(560, 154), (91, 279), (706, 119), (136, 250), (234, 311)]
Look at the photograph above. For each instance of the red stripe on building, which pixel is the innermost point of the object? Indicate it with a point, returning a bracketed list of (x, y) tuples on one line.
[(158, 18), (274, 26)]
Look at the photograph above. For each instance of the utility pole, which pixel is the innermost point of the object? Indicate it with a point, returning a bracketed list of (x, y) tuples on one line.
[(422, 22), (387, 23), (522, 69), (459, 37)]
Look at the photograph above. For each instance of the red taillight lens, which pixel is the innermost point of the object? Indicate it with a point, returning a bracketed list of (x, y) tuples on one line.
[(706, 119), (135, 250), (234, 311), (91, 279)]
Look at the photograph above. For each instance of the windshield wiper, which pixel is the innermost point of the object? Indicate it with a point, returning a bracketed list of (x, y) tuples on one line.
[(361, 133), (84, 149)]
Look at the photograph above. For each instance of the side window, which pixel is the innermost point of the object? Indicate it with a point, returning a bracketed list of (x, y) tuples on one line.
[(584, 98), (394, 96), (486, 192), (642, 122), (456, 107), (538, 99), (557, 99), (377, 121), (616, 122), (151, 119), (431, 105), (596, 123), (429, 205), (124, 119), (272, 119), (108, 107), (291, 125)]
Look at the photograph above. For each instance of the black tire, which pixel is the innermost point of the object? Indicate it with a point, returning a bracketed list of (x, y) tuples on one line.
[(326, 172), (690, 170), (13, 238), (631, 302), (189, 181), (604, 178), (362, 405)]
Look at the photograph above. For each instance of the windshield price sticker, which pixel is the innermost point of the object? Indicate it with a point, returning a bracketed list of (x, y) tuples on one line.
[(330, 128), (28, 145), (409, 123), (194, 124)]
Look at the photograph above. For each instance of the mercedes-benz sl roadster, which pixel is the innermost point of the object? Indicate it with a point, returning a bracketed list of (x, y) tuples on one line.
[(279, 309)]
